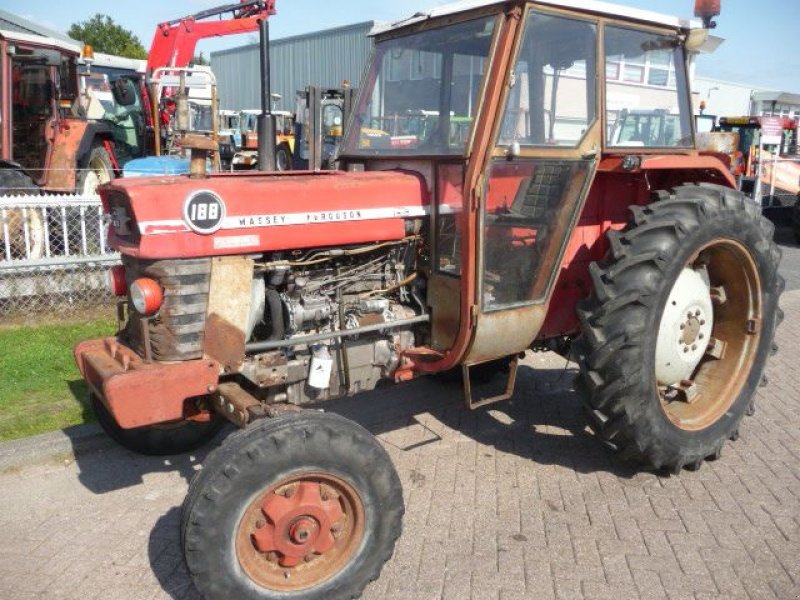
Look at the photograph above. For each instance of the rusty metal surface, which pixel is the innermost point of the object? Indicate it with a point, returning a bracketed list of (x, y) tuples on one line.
[(235, 403), (138, 393), (299, 532), (229, 300), (62, 174), (505, 332), (722, 142)]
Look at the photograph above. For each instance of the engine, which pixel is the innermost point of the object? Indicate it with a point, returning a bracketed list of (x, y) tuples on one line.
[(304, 301)]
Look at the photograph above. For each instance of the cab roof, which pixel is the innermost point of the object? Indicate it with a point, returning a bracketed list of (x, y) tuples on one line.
[(39, 40), (596, 7)]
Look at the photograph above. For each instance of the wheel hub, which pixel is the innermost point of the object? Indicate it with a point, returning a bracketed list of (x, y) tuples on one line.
[(301, 523), (685, 329)]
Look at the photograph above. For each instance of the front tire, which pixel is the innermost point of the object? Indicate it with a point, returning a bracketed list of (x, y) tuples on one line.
[(304, 506), (169, 439), (283, 157), (96, 170), (796, 220), (671, 370)]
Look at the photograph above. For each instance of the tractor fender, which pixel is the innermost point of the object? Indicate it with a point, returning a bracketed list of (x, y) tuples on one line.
[(95, 130)]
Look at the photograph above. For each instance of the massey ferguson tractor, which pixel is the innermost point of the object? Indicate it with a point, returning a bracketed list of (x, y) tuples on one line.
[(250, 297)]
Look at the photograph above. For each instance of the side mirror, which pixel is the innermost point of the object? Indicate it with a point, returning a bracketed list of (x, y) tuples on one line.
[(124, 92)]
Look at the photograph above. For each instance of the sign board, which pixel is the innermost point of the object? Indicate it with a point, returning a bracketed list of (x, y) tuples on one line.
[(771, 130)]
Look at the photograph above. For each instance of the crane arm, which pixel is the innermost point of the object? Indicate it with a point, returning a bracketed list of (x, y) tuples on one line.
[(174, 42)]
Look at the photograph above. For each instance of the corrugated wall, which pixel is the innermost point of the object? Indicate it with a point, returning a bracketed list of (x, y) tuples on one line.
[(325, 58)]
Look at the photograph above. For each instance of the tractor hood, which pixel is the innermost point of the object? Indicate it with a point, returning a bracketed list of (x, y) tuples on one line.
[(180, 217)]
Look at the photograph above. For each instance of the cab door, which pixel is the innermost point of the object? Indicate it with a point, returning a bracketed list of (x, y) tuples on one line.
[(547, 145), (33, 108)]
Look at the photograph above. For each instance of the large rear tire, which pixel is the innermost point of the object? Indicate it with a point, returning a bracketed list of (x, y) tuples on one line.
[(680, 325), (169, 439), (304, 506), (25, 227)]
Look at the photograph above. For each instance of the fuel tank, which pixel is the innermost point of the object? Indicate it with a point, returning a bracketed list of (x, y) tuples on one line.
[(175, 217)]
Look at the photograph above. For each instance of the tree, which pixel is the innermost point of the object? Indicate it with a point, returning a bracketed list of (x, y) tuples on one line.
[(105, 36)]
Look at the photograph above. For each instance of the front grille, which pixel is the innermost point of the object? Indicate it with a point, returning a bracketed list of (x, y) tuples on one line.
[(176, 333), (122, 218)]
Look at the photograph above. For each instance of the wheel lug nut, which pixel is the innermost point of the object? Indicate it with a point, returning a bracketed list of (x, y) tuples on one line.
[(683, 326), (308, 557), (272, 557), (260, 524), (694, 347)]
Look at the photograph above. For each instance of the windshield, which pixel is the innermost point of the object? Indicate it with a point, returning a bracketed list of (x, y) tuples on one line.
[(421, 90)]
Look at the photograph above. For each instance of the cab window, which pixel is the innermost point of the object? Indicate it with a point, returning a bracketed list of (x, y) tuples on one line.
[(647, 100), (552, 98)]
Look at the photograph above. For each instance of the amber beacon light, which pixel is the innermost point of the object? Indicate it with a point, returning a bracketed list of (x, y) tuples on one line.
[(707, 10)]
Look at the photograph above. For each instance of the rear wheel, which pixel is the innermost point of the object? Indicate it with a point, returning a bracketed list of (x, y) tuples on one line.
[(305, 506), (158, 440), (96, 169), (680, 325), (25, 228), (796, 220)]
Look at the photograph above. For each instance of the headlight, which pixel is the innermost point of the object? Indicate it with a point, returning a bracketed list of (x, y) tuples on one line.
[(146, 296)]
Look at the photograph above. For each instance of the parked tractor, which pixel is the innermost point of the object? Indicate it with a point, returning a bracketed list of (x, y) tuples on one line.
[(249, 297), (47, 142)]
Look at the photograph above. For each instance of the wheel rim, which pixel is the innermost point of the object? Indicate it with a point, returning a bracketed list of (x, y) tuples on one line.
[(98, 175), (713, 338), (300, 532)]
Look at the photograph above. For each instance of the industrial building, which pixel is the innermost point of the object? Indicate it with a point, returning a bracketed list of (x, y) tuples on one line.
[(329, 57), (324, 58)]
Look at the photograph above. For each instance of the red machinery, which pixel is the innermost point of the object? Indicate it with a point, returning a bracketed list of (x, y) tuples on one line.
[(174, 42), (252, 295)]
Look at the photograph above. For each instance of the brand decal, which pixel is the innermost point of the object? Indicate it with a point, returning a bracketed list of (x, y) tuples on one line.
[(203, 215), (204, 212)]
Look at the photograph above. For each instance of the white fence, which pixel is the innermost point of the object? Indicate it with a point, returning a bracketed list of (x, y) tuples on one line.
[(54, 254)]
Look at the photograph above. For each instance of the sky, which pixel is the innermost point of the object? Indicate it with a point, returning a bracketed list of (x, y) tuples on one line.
[(761, 47)]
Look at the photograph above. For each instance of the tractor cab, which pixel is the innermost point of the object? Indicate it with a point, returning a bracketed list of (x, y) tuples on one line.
[(39, 88)]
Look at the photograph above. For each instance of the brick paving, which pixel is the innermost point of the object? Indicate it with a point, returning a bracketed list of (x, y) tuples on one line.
[(516, 501)]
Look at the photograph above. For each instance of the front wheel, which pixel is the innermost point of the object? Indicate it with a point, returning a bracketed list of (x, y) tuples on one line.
[(796, 220), (680, 326), (96, 170), (304, 506), (283, 157)]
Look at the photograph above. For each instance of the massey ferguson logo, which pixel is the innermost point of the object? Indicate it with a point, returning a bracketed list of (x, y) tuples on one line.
[(204, 212)]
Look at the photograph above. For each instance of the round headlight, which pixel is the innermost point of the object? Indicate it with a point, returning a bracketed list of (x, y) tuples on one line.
[(146, 296)]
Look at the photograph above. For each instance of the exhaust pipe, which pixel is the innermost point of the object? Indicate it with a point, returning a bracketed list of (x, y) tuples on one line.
[(266, 120)]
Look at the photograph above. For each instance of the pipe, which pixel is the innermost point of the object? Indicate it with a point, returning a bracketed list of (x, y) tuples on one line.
[(266, 120), (256, 347), (275, 306)]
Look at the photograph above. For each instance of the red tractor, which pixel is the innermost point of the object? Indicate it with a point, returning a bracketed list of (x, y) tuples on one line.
[(250, 296), (46, 141)]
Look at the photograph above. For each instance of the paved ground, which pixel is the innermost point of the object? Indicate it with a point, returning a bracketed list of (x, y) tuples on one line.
[(513, 502)]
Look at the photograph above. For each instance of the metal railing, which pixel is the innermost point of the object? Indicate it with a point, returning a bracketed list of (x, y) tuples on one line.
[(54, 254), (779, 179)]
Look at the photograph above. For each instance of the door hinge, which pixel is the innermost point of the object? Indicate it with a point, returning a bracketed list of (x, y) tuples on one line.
[(473, 316)]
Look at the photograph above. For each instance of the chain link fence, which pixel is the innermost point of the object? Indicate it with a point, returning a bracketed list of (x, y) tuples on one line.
[(54, 255)]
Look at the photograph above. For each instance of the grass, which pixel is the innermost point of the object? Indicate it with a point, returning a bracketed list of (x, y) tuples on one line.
[(40, 387)]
